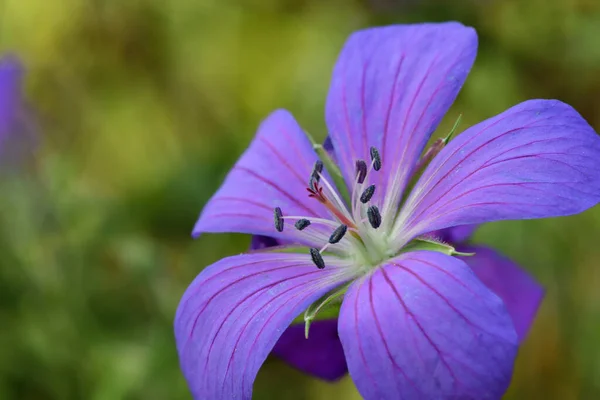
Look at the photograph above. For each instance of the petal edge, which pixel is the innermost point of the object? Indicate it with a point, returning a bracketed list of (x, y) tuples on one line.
[(521, 294)]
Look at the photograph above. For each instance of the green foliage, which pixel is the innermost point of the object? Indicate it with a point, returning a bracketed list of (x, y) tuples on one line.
[(145, 105)]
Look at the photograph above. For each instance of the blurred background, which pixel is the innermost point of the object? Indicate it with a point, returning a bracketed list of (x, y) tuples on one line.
[(140, 107)]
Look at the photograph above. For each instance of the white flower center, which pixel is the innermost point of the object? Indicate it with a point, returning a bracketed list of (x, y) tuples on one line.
[(356, 232)]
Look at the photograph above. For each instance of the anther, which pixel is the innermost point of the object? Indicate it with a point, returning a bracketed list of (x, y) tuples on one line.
[(316, 258), (374, 216), (338, 234), (319, 166), (301, 224), (367, 194), (361, 170), (278, 217), (375, 158), (317, 171)]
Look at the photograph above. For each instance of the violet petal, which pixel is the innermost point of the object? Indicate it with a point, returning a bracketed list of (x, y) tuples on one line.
[(11, 75), (424, 327), (231, 316), (273, 172), (390, 88), (259, 242), (455, 234), (538, 159), (321, 355)]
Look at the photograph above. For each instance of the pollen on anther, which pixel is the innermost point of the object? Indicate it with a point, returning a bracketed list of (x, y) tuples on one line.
[(374, 216), (302, 224), (278, 217), (361, 170), (367, 194), (317, 258), (318, 166), (338, 234), (375, 158), (317, 170)]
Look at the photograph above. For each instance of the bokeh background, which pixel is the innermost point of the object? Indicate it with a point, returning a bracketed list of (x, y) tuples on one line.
[(141, 107)]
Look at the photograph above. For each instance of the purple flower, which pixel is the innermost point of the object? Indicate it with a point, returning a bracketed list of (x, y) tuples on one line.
[(418, 319), (18, 132), (10, 95)]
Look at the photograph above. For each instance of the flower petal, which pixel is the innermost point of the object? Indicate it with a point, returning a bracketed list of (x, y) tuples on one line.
[(259, 242), (424, 327), (273, 172), (320, 355), (538, 159), (233, 313), (328, 146), (521, 294), (390, 88), (455, 234)]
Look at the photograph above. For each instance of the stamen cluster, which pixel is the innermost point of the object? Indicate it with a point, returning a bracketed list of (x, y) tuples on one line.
[(357, 221)]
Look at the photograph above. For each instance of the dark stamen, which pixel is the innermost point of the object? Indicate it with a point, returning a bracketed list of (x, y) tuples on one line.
[(278, 216), (301, 224), (375, 158), (317, 171), (338, 234), (316, 258), (361, 170), (374, 216), (367, 194), (319, 166)]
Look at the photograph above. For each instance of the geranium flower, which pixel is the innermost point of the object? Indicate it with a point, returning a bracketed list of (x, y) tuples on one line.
[(415, 322)]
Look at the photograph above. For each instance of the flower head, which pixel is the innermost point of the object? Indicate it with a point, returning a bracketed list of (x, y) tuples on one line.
[(418, 319)]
